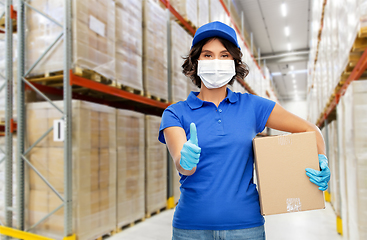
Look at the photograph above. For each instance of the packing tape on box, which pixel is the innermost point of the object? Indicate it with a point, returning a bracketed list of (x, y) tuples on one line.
[(293, 205)]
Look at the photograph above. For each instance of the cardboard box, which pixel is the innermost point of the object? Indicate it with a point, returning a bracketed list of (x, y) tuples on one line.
[(280, 167)]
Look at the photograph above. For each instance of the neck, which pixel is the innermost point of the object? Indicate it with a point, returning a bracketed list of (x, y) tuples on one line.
[(215, 95)]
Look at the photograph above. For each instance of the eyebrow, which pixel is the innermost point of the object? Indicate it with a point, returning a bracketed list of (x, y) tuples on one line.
[(212, 52)]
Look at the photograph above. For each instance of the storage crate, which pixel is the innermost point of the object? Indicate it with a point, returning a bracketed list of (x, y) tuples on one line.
[(93, 170), (130, 167)]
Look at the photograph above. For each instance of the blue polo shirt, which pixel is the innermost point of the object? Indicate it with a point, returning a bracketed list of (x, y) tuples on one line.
[(221, 194)]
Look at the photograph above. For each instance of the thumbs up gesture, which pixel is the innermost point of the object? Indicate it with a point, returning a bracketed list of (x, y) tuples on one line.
[(190, 152)]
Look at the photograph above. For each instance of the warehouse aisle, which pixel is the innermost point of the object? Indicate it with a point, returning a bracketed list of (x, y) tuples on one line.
[(315, 225)]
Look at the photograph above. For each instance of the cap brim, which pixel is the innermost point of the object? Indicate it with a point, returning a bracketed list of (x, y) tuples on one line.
[(213, 33)]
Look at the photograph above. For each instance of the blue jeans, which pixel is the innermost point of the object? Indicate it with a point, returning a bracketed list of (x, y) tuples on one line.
[(256, 233)]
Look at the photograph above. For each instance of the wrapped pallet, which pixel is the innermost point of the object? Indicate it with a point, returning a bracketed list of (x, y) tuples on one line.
[(154, 50), (93, 36), (352, 112), (130, 167), (334, 185), (179, 50), (217, 12), (188, 9), (203, 12), (93, 174), (155, 167), (129, 40)]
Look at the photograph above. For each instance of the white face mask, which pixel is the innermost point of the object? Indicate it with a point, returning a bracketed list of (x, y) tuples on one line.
[(216, 73)]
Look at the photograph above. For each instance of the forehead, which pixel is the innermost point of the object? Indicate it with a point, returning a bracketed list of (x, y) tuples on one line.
[(213, 45)]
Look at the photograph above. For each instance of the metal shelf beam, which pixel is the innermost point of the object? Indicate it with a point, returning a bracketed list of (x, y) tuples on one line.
[(355, 75), (178, 16), (83, 82)]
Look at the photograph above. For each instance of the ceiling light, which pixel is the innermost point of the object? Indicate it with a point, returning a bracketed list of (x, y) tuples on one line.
[(289, 47), (292, 67), (283, 7), (286, 31), (293, 75)]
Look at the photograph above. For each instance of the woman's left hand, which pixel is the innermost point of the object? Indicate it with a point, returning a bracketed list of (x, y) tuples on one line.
[(320, 178)]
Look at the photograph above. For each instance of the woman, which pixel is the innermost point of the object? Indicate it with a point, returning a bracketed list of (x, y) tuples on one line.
[(209, 137)]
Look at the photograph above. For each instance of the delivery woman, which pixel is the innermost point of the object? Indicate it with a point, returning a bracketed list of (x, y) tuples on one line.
[(209, 137)]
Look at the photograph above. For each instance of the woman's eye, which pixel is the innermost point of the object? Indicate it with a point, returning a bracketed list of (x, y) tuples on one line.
[(206, 55), (225, 56)]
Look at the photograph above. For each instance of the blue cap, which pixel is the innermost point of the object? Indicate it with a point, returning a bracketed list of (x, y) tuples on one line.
[(215, 29)]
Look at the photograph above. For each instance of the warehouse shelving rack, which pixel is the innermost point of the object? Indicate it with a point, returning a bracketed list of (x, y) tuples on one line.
[(131, 101), (342, 86), (329, 112), (69, 79)]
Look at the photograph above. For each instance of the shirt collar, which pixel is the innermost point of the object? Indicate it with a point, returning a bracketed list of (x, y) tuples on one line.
[(194, 102)]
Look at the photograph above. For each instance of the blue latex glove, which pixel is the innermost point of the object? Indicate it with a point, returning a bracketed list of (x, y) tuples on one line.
[(320, 178), (190, 152)]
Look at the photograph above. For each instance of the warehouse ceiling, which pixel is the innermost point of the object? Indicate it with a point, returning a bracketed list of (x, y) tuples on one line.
[(280, 30)]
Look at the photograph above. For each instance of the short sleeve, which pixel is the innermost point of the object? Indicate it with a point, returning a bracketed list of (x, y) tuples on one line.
[(263, 108), (169, 119)]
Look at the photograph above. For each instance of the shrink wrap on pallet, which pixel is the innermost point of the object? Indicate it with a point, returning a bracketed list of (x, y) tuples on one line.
[(188, 9), (352, 110), (2, 179), (154, 50), (155, 167), (130, 167), (203, 12), (93, 36), (179, 49), (93, 170), (129, 43), (217, 12), (333, 157)]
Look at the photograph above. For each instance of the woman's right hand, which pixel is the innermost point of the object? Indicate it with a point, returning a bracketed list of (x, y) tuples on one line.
[(190, 153)]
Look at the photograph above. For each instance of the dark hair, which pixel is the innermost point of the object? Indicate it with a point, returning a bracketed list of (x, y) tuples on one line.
[(191, 61)]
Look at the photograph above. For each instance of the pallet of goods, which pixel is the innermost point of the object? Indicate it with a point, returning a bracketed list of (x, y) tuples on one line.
[(155, 168), (130, 167), (93, 175), (155, 51), (129, 44), (352, 138), (93, 39)]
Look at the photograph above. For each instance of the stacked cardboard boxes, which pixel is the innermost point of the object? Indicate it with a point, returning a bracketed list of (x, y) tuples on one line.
[(352, 144), (188, 9), (93, 26), (155, 167), (203, 12), (130, 167), (154, 50), (179, 50), (129, 40), (94, 170)]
